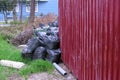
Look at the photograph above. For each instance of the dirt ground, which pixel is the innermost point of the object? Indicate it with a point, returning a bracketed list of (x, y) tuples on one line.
[(55, 75)]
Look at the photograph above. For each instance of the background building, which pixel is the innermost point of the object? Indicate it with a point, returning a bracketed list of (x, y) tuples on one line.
[(42, 7)]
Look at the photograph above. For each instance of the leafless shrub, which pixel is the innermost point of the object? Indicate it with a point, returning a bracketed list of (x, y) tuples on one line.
[(22, 38), (45, 19)]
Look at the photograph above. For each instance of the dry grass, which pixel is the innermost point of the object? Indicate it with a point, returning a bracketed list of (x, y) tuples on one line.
[(51, 17), (9, 33), (22, 38)]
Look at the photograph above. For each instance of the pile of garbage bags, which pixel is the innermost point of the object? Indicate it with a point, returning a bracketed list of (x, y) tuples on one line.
[(45, 45)]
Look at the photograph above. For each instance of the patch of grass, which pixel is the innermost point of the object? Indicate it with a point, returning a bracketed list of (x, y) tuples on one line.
[(9, 33), (2, 22), (36, 66), (15, 23), (5, 72), (9, 52)]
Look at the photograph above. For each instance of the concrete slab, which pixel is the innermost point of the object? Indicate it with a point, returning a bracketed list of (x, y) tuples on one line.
[(13, 64)]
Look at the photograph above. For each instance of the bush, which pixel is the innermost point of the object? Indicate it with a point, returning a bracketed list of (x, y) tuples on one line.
[(15, 22), (8, 33)]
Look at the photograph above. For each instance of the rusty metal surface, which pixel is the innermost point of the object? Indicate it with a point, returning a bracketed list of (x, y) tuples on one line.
[(90, 38)]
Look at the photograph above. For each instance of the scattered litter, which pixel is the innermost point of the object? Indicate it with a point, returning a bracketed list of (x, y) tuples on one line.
[(63, 72), (22, 46)]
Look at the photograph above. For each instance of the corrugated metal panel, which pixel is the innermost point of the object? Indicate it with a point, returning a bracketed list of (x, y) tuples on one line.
[(90, 38)]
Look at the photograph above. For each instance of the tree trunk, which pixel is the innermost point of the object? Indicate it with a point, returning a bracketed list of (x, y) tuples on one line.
[(21, 10), (32, 12), (14, 11), (14, 15), (5, 16)]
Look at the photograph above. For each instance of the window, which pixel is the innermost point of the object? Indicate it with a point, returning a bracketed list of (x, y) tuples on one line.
[(17, 8), (28, 6), (10, 18)]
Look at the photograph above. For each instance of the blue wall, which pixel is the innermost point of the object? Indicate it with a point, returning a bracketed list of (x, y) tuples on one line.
[(50, 6), (45, 7), (1, 17)]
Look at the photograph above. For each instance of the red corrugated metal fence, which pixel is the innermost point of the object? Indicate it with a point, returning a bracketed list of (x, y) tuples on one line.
[(90, 38)]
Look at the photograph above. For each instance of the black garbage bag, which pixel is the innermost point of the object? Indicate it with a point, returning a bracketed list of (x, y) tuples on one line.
[(26, 53), (41, 25), (39, 34), (50, 24), (40, 53), (41, 38), (53, 42), (55, 23), (52, 31), (50, 42), (53, 55), (31, 46)]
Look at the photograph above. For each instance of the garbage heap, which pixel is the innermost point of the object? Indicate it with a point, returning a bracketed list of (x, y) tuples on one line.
[(45, 45)]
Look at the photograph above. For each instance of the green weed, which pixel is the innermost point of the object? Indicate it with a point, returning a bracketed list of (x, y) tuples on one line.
[(9, 52), (36, 66)]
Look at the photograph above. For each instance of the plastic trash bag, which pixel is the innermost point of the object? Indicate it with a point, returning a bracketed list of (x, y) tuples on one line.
[(53, 55), (50, 42), (40, 53), (50, 24), (50, 39), (31, 46), (55, 23), (26, 53), (41, 25), (52, 31), (39, 34)]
